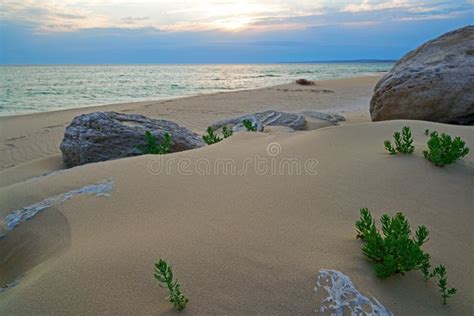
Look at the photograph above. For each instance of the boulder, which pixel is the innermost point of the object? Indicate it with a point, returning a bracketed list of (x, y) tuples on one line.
[(103, 136), (261, 119), (435, 82), (333, 118)]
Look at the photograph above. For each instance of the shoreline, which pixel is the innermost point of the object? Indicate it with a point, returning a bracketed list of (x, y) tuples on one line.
[(2, 116), (29, 143)]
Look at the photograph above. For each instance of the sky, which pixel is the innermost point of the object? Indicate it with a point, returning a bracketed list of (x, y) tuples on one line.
[(220, 31)]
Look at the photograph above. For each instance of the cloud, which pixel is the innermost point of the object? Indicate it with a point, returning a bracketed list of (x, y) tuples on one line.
[(68, 15), (134, 20), (431, 17), (331, 36), (409, 10), (49, 16), (367, 5)]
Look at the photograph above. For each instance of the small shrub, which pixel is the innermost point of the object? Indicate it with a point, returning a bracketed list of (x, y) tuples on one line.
[(164, 275), (249, 126), (211, 138), (446, 293), (227, 132), (403, 142), (396, 251), (443, 150), (155, 148)]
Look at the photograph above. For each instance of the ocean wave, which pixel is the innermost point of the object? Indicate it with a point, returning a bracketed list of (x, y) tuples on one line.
[(258, 76), (61, 87), (304, 72)]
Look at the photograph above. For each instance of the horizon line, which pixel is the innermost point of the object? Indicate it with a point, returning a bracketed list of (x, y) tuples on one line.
[(342, 61)]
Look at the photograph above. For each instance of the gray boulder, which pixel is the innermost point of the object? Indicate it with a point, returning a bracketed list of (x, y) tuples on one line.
[(256, 123), (333, 118), (435, 82), (261, 119), (103, 136)]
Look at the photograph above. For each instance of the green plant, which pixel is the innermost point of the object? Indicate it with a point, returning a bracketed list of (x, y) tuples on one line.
[(396, 251), (365, 224), (249, 126), (427, 132), (403, 142), (164, 274), (211, 138), (227, 132), (153, 147), (443, 150), (425, 267), (446, 293)]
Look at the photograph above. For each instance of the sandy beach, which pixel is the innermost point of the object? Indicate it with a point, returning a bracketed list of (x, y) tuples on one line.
[(35, 138), (241, 241)]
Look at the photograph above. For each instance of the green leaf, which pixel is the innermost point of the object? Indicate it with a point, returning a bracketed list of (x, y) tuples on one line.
[(153, 147), (227, 132), (249, 126), (403, 142), (164, 274), (211, 138)]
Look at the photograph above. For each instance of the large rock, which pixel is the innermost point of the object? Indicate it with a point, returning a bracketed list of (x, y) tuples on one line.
[(261, 119), (435, 82), (102, 136)]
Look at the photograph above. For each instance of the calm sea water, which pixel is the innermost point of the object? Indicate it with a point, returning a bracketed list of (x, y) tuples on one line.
[(29, 89)]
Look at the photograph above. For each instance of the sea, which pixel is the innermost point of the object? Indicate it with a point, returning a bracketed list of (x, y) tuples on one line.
[(33, 89)]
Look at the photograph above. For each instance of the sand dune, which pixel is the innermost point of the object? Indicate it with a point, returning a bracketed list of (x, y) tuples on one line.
[(249, 243)]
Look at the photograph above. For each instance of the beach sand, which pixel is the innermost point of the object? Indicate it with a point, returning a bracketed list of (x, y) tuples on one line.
[(27, 138), (247, 241)]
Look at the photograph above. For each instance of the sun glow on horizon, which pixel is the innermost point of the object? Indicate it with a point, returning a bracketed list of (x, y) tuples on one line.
[(236, 16), (233, 24)]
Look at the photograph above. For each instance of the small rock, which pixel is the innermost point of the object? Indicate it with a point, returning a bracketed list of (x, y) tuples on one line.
[(333, 118), (256, 123), (305, 82), (261, 119)]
